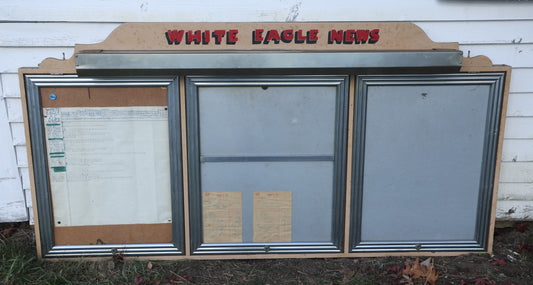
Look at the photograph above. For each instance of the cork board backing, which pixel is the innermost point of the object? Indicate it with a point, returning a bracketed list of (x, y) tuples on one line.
[(103, 96), (108, 97), (113, 234)]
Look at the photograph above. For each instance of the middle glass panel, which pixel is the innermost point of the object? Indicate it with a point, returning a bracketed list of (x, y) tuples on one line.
[(265, 160)]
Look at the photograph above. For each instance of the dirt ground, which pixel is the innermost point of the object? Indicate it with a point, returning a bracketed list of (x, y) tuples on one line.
[(510, 263)]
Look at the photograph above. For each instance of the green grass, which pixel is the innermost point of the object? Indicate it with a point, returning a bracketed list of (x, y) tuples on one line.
[(19, 265)]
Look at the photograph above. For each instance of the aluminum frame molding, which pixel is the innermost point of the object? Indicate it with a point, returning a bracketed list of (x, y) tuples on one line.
[(495, 80), (40, 165)]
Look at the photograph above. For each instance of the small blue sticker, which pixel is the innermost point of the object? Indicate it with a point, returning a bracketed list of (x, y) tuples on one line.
[(53, 96)]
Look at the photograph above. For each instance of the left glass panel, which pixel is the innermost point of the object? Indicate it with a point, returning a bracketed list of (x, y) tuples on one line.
[(112, 165)]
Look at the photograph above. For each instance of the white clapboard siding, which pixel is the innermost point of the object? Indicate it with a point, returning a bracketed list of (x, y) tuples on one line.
[(14, 110), (25, 175), (480, 32), (31, 31), (259, 10), (520, 105), (12, 202), (517, 151), (22, 156), (515, 55), (521, 80), (27, 193), (29, 57), (68, 34), (54, 34), (10, 85), (514, 210), (519, 128), (516, 172), (515, 191), (17, 131)]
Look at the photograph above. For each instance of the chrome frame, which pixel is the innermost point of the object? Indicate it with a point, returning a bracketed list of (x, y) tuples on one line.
[(489, 159), (40, 165), (339, 162)]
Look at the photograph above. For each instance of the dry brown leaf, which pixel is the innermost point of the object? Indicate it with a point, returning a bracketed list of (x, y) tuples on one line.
[(347, 275), (149, 265), (423, 270)]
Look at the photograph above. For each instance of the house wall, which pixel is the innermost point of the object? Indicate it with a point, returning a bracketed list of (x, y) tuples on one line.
[(32, 30)]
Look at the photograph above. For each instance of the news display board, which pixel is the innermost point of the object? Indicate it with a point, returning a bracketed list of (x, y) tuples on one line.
[(264, 140)]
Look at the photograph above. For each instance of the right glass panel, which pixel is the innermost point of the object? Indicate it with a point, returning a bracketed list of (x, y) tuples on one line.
[(424, 155)]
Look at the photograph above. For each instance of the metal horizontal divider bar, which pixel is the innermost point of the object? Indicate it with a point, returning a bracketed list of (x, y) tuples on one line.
[(266, 158)]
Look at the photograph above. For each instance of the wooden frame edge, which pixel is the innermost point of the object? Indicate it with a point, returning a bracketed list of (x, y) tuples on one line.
[(185, 169), (349, 153)]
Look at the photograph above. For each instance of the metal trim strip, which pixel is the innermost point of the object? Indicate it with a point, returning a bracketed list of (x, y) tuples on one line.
[(262, 60)]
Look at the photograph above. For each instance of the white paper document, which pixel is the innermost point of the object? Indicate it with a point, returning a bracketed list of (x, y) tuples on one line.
[(108, 165)]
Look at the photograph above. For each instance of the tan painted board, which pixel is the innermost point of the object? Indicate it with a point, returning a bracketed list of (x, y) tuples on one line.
[(268, 36), (222, 217), (272, 216)]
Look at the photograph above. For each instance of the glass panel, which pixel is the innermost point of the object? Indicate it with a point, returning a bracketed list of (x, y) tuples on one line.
[(422, 163), (254, 121), (308, 183)]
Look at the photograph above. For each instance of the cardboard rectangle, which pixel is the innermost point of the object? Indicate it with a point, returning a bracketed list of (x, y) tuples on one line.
[(222, 217), (113, 234), (272, 216), (103, 96)]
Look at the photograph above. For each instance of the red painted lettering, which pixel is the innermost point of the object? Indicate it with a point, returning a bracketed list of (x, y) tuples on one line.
[(362, 36), (335, 36), (174, 36), (287, 36), (218, 35), (257, 36), (231, 38), (272, 35), (349, 36), (374, 36), (300, 38), (206, 37), (196, 37), (312, 36)]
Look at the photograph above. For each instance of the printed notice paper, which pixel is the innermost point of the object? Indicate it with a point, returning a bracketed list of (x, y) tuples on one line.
[(108, 165), (272, 216), (222, 217)]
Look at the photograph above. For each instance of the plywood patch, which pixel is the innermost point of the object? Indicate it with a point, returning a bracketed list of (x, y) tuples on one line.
[(272, 216)]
